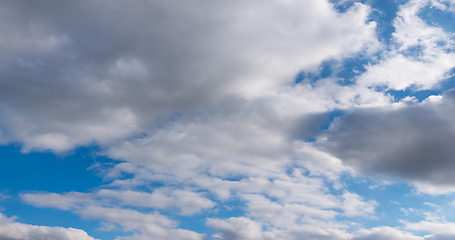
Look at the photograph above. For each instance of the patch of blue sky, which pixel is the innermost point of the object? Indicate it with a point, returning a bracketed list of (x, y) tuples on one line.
[(195, 224), (438, 18), (46, 171), (331, 116), (390, 198), (414, 52), (344, 71), (397, 202), (383, 13), (419, 95)]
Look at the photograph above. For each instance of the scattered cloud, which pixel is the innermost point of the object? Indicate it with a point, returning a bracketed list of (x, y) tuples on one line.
[(199, 102)]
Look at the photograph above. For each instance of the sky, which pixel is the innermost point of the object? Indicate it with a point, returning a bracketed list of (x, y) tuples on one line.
[(227, 120)]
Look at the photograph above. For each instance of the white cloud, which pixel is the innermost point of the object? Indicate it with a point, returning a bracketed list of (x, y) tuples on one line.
[(421, 58), (147, 225), (187, 202), (438, 228), (353, 205), (411, 30), (400, 72), (12, 230), (143, 225), (379, 233)]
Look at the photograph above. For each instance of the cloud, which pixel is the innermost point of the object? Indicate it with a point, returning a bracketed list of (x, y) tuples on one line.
[(353, 205), (445, 5), (244, 228), (441, 237), (74, 73), (412, 142), (143, 224), (291, 205), (437, 228), (12, 230), (420, 57), (186, 202), (236, 228), (115, 207), (201, 96), (146, 225), (379, 233), (400, 72)]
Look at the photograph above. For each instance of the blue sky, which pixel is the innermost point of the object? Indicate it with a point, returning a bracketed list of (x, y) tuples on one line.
[(232, 120)]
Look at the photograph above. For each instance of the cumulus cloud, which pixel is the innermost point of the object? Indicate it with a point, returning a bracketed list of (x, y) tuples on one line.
[(12, 230), (353, 205), (80, 72)]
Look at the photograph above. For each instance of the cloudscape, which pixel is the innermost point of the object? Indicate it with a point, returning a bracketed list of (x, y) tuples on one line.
[(227, 120)]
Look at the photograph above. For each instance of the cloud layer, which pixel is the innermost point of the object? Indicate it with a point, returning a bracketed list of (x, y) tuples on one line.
[(203, 104)]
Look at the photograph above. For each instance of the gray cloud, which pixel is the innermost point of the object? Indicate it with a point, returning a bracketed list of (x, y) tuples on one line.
[(76, 72), (413, 142), (441, 237)]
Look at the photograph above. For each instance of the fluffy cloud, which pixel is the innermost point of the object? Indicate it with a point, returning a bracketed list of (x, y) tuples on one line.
[(421, 57), (80, 72), (353, 205), (437, 228), (12, 230)]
